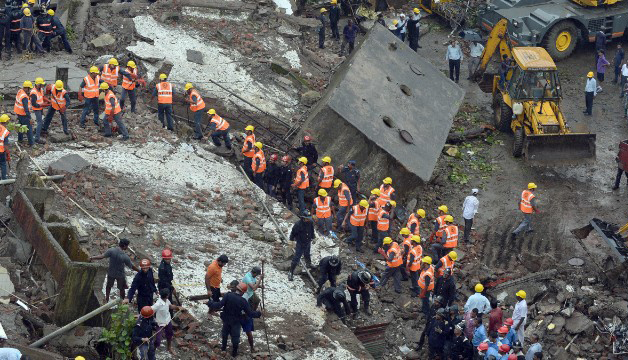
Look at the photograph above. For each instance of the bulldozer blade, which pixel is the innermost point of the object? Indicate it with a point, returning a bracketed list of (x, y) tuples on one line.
[(559, 149), (583, 232)]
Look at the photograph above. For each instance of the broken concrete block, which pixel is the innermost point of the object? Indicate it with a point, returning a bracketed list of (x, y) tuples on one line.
[(103, 59), (79, 228), (288, 31), (226, 34), (15, 248), (68, 164), (195, 57), (310, 98), (578, 323), (6, 285), (59, 138), (5, 214), (103, 40)]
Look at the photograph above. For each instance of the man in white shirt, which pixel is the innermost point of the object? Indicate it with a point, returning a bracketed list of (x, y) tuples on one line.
[(520, 314), (12, 354), (454, 56), (624, 77), (478, 301), (162, 309), (590, 90), (475, 51), (469, 209)]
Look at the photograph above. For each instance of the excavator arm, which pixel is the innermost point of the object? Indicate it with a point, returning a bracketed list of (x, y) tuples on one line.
[(497, 40)]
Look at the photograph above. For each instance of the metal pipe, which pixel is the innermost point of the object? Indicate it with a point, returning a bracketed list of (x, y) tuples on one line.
[(48, 177)]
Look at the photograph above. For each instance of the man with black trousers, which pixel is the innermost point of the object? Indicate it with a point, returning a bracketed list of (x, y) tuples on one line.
[(329, 268), (5, 31), (303, 233), (334, 17), (414, 28), (144, 284), (334, 298), (285, 181), (620, 172), (359, 282)]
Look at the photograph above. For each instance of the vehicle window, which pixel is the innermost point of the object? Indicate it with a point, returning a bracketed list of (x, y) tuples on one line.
[(534, 83)]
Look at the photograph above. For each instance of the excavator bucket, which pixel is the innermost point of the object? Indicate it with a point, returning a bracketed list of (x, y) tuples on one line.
[(559, 149), (486, 82)]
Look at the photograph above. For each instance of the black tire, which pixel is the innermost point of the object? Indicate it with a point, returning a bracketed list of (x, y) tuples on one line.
[(517, 147), (552, 35), (502, 114)]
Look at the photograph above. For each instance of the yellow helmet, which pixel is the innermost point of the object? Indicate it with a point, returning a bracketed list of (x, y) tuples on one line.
[(479, 288), (521, 294), (421, 213), (416, 238), (337, 183), (443, 208), (211, 111), (387, 180), (79, 358), (113, 61), (258, 145), (453, 255), (249, 128), (4, 118), (387, 240), (27, 84), (326, 159), (334, 2), (364, 203), (393, 203), (94, 70), (27, 12), (31, 1), (531, 186), (375, 192), (188, 86), (322, 192), (39, 81), (590, 74), (416, 10), (404, 231), (25, 5), (59, 85), (303, 160), (163, 76), (51, 12), (104, 86), (131, 64), (395, 22), (427, 260), (323, 10), (449, 218)]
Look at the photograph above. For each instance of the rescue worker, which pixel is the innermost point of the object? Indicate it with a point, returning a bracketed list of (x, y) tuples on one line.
[(386, 192), (301, 182), (357, 223), (38, 103), (272, 175), (383, 224), (344, 203), (350, 175), (449, 240), (129, 82), (164, 273), (413, 263), (5, 32), (308, 150), (89, 91), (27, 24), (321, 29), (502, 332), (247, 150), (59, 30), (193, 97), (303, 233), (163, 90), (446, 287), (219, 128), (4, 146), (326, 175), (144, 284), (372, 215), (445, 262), (15, 30), (213, 277), (60, 100), (438, 332), (329, 268), (414, 29), (334, 298), (258, 165), (359, 282), (414, 222), (113, 112), (323, 208), (142, 334), (426, 283), (285, 181), (439, 223), (334, 17), (118, 259), (110, 72), (44, 27), (21, 109), (406, 245), (394, 260), (163, 308), (233, 306), (527, 205), (461, 347)]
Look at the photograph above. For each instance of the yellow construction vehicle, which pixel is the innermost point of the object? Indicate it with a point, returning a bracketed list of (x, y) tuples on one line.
[(527, 102)]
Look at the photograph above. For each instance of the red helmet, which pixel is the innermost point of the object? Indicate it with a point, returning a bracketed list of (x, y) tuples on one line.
[(166, 254), (307, 138), (242, 287), (286, 158), (512, 357), (509, 322), (147, 311), (504, 348), (144, 264), (274, 157), (483, 346), (503, 330)]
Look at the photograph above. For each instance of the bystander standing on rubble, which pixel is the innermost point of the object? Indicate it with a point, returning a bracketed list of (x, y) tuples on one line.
[(162, 309), (118, 259), (402, 27), (520, 315), (144, 284), (213, 277), (478, 301), (469, 209), (454, 57), (252, 284), (535, 347), (495, 317), (475, 52)]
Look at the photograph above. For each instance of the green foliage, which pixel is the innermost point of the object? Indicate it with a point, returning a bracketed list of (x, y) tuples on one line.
[(13, 127), (70, 32), (118, 335), (458, 176)]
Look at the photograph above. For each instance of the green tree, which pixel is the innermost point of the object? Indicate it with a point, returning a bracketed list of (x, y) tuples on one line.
[(118, 335)]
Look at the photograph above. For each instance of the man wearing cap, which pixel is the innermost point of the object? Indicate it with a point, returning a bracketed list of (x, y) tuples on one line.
[(324, 211), (527, 205), (334, 298), (213, 277), (303, 233), (590, 91), (219, 129), (394, 261), (21, 109), (321, 29), (357, 222), (478, 301), (89, 90), (144, 284), (329, 269), (38, 103), (446, 287), (438, 331), (163, 90), (414, 29), (164, 273), (334, 17), (118, 259), (113, 112), (60, 100), (26, 24), (350, 175), (308, 150), (469, 209), (59, 30), (194, 98), (520, 315)]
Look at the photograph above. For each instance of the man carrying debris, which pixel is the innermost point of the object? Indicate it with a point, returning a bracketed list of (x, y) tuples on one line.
[(60, 100), (21, 109), (520, 315), (394, 261), (193, 97), (527, 205), (258, 166), (334, 298), (89, 91), (118, 259), (251, 285), (329, 269), (163, 90), (38, 103), (142, 335), (219, 129), (113, 112), (162, 308), (359, 282), (213, 277), (303, 233), (164, 273), (357, 222), (344, 203), (323, 208), (248, 151), (4, 146), (144, 283), (301, 182)]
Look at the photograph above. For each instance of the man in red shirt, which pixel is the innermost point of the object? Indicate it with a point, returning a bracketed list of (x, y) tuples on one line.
[(495, 316)]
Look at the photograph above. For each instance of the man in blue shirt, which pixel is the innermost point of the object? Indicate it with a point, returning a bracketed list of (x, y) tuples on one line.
[(251, 285), (350, 32), (479, 335)]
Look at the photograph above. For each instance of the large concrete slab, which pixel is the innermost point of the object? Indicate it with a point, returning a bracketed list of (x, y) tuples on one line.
[(13, 74)]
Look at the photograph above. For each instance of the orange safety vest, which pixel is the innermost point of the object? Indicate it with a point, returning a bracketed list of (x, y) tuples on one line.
[(164, 93), (221, 124), (39, 105), (199, 104), (358, 218), (109, 109), (382, 223), (58, 101), (90, 90), (323, 208), (414, 219), (302, 171), (127, 83), (13, 29), (18, 108), (262, 162), (47, 25), (417, 252), (407, 242), (328, 177), (452, 236), (3, 135), (398, 259), (447, 264), (249, 139), (441, 225), (427, 273), (110, 76), (525, 205), (373, 211), (342, 200), (384, 195)]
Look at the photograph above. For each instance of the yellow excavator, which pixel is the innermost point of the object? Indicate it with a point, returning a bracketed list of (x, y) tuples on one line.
[(527, 102)]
